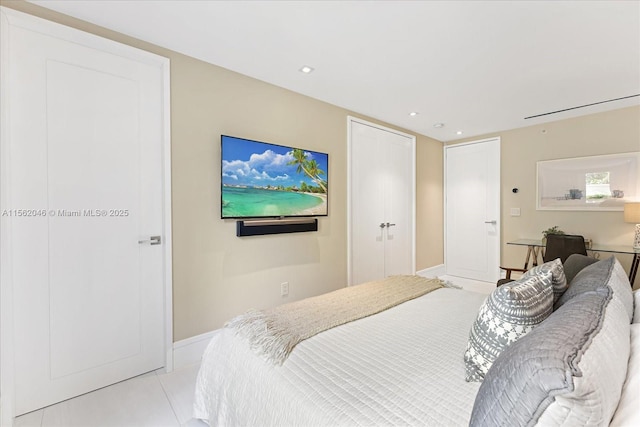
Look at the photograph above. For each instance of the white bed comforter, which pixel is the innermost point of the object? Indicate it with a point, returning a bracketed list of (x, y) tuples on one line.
[(403, 366)]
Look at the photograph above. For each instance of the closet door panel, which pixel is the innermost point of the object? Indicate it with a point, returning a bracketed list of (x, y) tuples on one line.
[(398, 195), (367, 207)]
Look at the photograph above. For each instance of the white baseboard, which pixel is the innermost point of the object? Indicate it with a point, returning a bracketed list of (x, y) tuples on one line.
[(434, 271), (189, 351)]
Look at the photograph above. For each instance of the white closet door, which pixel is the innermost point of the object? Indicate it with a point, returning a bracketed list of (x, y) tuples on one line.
[(381, 202), (86, 160), (399, 194), (367, 187)]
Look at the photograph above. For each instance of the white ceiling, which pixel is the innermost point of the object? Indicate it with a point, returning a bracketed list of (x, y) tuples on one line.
[(479, 66)]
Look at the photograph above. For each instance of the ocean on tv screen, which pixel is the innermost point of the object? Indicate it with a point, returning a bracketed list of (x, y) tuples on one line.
[(260, 202)]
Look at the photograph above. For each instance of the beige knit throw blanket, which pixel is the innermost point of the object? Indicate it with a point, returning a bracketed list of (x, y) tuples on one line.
[(275, 332)]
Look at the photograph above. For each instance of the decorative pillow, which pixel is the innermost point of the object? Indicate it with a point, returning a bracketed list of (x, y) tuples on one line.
[(574, 264), (569, 370), (636, 306), (509, 313), (608, 273), (558, 279), (588, 279), (627, 413)]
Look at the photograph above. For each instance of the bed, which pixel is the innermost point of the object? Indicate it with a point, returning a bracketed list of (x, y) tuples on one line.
[(401, 366)]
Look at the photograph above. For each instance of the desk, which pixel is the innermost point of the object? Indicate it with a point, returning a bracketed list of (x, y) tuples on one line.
[(536, 250)]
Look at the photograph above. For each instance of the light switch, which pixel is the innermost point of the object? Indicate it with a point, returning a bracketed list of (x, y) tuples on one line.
[(515, 211)]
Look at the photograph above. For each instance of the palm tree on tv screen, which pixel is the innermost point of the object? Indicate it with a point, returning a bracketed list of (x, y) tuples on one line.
[(309, 167)]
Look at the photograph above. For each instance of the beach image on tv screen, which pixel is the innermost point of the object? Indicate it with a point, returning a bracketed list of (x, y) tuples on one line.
[(268, 180)]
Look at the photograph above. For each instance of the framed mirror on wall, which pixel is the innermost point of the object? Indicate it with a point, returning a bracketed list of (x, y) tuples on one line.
[(595, 183)]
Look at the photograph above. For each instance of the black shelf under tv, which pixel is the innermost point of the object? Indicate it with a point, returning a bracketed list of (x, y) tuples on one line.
[(260, 227)]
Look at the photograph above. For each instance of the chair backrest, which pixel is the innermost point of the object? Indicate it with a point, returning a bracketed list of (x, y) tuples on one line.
[(563, 245)]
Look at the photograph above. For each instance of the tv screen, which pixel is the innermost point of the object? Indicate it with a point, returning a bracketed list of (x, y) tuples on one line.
[(262, 180)]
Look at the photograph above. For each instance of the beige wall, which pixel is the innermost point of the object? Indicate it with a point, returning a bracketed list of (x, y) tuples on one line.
[(616, 131), (429, 203), (217, 275)]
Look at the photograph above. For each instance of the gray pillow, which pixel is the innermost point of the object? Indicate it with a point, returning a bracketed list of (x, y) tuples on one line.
[(575, 263), (588, 279), (510, 312), (564, 372)]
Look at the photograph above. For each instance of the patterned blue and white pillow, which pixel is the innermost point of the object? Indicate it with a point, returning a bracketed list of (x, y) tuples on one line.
[(510, 312), (558, 278)]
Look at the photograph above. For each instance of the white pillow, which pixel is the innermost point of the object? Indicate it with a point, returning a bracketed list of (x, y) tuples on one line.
[(627, 413), (636, 306)]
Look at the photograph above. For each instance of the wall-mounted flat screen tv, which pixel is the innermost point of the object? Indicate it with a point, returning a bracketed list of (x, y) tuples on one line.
[(262, 180)]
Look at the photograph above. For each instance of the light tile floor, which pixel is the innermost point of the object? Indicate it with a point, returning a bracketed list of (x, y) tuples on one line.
[(155, 399), (470, 284)]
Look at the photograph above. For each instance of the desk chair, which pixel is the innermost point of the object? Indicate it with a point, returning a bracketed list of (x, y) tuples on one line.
[(563, 245), (557, 246)]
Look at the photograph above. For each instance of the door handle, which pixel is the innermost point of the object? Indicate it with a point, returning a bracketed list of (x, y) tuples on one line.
[(390, 225), (153, 240), (382, 225), (494, 222)]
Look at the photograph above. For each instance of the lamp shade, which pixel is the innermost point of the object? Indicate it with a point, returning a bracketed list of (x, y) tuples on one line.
[(632, 212)]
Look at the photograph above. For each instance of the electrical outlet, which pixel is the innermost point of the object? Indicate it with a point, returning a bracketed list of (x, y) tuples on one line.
[(284, 289)]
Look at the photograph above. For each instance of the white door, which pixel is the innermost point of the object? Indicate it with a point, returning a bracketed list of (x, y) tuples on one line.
[(381, 202), (472, 210), (84, 182)]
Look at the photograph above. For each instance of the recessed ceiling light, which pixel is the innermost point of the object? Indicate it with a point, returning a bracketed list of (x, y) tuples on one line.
[(413, 113), (459, 132), (306, 69), (438, 125)]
